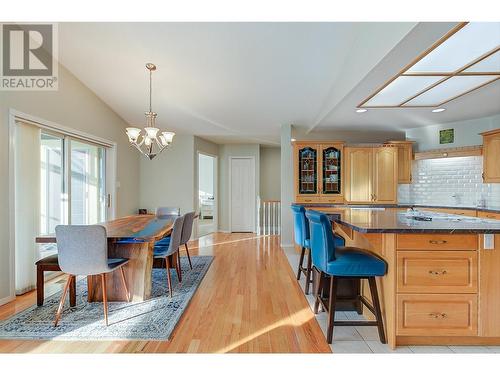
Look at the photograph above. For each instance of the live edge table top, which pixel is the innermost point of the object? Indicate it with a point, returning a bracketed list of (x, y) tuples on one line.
[(390, 220), (148, 228)]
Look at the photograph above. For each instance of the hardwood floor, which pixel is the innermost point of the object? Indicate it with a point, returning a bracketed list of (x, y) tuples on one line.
[(249, 301)]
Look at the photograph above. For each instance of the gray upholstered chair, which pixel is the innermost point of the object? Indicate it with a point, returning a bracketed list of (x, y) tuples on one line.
[(187, 229), (83, 251), (164, 211), (165, 251)]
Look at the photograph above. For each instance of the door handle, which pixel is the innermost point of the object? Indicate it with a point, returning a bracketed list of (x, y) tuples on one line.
[(438, 242)]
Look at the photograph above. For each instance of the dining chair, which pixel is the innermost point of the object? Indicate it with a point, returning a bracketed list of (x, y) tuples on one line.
[(83, 251), (187, 230), (166, 250), (165, 211), (333, 263)]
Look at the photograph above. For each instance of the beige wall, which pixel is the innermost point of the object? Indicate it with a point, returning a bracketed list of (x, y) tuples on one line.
[(270, 177), (354, 136), (168, 179), (76, 107)]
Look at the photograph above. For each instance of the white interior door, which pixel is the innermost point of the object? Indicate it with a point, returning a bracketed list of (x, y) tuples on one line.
[(242, 194)]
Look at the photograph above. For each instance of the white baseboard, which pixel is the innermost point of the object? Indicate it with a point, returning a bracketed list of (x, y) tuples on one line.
[(8, 299)]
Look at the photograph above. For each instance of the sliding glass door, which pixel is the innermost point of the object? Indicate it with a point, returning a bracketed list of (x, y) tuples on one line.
[(73, 175), (88, 193)]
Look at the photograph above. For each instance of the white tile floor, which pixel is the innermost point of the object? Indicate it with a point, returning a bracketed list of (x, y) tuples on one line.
[(366, 339)]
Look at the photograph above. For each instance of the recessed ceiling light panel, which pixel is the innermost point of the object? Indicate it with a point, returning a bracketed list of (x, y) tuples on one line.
[(466, 45), (487, 65), (361, 110), (401, 89), (449, 89), (438, 110), (465, 59)]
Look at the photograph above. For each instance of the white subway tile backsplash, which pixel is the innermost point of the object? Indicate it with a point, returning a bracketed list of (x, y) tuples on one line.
[(453, 182)]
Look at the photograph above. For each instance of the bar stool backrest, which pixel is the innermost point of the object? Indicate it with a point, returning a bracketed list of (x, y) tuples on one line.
[(322, 240), (300, 225)]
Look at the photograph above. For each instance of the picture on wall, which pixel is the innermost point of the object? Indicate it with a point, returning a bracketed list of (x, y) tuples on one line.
[(446, 136)]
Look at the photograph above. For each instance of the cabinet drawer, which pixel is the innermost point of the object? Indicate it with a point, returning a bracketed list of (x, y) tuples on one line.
[(437, 315), (488, 215), (437, 241), (331, 199), (307, 199), (437, 271)]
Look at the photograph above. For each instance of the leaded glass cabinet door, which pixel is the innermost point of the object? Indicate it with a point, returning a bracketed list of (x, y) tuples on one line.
[(307, 160), (331, 169)]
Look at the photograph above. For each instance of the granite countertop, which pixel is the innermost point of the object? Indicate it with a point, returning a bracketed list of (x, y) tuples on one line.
[(488, 208), (391, 220)]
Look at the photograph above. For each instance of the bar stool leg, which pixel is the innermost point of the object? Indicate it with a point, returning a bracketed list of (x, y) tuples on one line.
[(331, 308), (301, 261), (308, 271), (376, 306), (317, 289)]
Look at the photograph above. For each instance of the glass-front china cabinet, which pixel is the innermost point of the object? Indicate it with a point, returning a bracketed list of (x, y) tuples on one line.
[(318, 172)]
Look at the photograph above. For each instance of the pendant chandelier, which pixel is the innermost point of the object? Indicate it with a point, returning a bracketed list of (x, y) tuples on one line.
[(150, 143)]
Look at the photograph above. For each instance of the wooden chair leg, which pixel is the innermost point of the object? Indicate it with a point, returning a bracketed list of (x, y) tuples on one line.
[(72, 292), (178, 269), (301, 261), (308, 272), (317, 289), (39, 286), (61, 302), (331, 308), (168, 276), (189, 258), (104, 297), (122, 273), (376, 306)]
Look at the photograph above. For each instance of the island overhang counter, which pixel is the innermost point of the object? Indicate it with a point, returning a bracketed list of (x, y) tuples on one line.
[(442, 285)]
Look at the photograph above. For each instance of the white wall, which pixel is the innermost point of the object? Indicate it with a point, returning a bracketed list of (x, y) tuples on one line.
[(287, 182), (168, 179), (354, 136), (225, 152), (73, 106), (466, 133), (270, 175)]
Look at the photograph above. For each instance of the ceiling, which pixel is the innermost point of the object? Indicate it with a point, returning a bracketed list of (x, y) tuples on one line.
[(239, 82)]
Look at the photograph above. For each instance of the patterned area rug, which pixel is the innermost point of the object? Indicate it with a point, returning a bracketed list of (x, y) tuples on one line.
[(154, 319)]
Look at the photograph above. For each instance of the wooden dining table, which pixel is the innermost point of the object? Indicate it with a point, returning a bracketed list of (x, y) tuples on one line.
[(132, 237)]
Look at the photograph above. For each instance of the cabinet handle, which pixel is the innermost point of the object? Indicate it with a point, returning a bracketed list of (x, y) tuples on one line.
[(307, 200), (438, 315), (434, 272), (438, 242)]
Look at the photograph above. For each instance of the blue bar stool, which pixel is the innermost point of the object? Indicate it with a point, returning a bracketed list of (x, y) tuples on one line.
[(333, 263), (301, 235)]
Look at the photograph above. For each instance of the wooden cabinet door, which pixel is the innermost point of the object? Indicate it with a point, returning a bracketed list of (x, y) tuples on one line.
[(489, 290), (306, 165), (405, 158), (358, 174), (491, 156), (385, 174)]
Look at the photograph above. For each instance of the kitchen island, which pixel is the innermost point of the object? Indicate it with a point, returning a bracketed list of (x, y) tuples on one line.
[(442, 285)]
